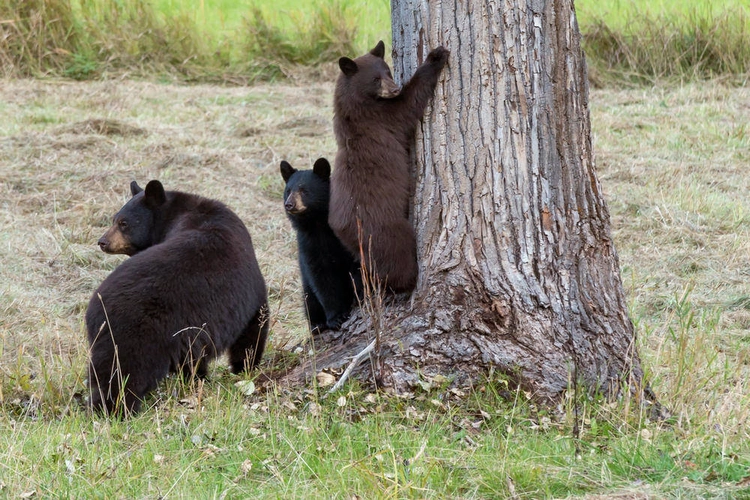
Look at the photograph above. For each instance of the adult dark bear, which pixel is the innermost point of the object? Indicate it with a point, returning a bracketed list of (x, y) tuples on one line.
[(191, 290), (329, 273), (374, 123)]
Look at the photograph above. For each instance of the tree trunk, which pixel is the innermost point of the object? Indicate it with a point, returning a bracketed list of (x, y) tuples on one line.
[(518, 271)]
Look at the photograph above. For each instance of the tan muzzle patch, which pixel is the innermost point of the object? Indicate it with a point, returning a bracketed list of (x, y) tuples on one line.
[(113, 241), (294, 204), (389, 89)]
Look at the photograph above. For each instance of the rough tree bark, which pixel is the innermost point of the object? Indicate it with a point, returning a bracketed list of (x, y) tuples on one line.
[(517, 266)]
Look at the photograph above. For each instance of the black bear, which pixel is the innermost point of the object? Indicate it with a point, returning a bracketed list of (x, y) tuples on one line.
[(329, 272), (374, 123), (191, 290)]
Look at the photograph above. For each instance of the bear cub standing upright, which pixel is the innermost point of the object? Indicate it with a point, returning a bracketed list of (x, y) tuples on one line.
[(329, 273), (374, 124), (191, 290)]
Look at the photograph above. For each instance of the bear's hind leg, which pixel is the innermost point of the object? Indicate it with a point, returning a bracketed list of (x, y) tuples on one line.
[(394, 254), (190, 369), (337, 298), (107, 394), (316, 314), (120, 380), (252, 339)]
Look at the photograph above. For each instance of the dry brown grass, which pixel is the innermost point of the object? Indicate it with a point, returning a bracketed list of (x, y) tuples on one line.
[(67, 154), (673, 164)]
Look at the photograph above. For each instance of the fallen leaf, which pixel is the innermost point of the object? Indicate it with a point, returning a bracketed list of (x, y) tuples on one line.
[(246, 387), (246, 467), (314, 409), (190, 402), (646, 435), (425, 385), (325, 379)]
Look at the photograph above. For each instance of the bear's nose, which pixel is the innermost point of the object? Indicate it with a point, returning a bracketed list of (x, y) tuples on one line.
[(102, 243), (289, 206)]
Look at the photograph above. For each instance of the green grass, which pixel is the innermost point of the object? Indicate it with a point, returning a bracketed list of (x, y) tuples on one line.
[(196, 40), (240, 41), (218, 442), (222, 18), (672, 163), (639, 42), (619, 13)]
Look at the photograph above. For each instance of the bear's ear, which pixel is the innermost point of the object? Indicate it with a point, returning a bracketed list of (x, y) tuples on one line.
[(322, 168), (379, 50), (348, 67), (135, 188), (155, 195), (286, 170)]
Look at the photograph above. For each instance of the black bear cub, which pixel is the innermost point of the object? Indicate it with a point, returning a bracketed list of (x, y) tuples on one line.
[(374, 122), (326, 267), (191, 290)]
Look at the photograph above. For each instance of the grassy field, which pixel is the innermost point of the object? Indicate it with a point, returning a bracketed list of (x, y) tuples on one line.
[(636, 42), (239, 41), (619, 13), (224, 17), (672, 162)]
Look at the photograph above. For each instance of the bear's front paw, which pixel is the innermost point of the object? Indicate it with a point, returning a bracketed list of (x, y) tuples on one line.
[(318, 328), (438, 56), (336, 322)]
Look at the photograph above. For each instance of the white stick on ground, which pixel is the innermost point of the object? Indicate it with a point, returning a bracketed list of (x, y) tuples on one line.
[(349, 369)]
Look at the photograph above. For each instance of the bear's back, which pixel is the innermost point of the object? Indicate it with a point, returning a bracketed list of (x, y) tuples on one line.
[(204, 275)]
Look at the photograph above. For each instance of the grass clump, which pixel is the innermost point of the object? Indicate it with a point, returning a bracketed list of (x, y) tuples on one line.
[(84, 40), (321, 37), (133, 35), (38, 36), (632, 42), (89, 39), (315, 37)]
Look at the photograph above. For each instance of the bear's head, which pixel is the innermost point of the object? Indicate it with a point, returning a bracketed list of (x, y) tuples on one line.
[(369, 75), (307, 191), (133, 226)]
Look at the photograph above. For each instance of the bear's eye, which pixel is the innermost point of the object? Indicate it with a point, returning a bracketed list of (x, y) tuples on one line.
[(122, 224), (376, 79)]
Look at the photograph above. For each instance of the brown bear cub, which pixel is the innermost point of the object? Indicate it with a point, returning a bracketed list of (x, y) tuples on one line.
[(191, 290), (329, 272), (374, 123)]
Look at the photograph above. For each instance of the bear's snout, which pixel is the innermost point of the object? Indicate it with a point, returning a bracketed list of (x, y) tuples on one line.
[(389, 89), (102, 243), (294, 203)]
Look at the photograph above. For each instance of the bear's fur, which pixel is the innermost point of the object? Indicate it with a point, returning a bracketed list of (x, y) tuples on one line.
[(329, 273), (191, 290), (374, 123)]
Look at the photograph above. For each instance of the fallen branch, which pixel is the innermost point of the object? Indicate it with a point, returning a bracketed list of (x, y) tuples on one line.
[(349, 369)]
